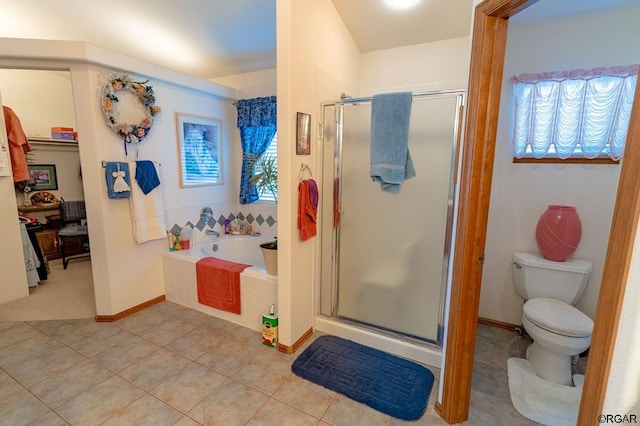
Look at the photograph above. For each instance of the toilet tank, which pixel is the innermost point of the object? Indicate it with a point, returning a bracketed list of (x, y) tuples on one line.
[(534, 277)]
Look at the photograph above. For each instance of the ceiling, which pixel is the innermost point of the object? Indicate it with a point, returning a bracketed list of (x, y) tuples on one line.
[(214, 38)]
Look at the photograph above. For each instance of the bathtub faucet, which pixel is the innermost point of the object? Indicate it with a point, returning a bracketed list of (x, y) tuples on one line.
[(212, 232)]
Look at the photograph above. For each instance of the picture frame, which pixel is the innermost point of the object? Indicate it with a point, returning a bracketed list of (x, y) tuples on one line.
[(43, 176), (199, 150), (303, 134)]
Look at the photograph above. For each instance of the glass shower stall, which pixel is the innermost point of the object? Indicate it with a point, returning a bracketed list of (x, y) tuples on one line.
[(385, 256)]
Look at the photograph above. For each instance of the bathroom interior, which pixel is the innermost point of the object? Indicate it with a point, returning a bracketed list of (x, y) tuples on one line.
[(520, 192)]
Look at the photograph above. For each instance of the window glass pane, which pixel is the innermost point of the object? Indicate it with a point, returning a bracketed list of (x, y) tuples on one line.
[(272, 151)]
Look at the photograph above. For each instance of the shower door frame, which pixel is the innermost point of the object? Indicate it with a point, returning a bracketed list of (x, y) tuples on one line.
[(448, 248)]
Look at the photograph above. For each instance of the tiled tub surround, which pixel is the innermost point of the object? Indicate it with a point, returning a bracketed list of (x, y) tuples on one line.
[(258, 290), (261, 217)]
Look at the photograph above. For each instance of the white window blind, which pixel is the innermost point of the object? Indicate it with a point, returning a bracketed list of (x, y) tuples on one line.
[(578, 113)]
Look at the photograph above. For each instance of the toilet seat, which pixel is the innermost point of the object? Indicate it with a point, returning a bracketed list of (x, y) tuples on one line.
[(558, 317)]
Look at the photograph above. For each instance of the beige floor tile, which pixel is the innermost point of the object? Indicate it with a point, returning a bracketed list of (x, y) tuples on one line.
[(230, 404), (100, 402), (20, 408), (99, 339), (166, 332), (186, 421), (168, 308), (196, 343), (34, 347), (277, 413), (141, 321), (347, 412), (49, 419), (264, 373), (18, 333), (227, 357), (488, 410), (154, 369), (305, 396), (8, 386), (67, 384), (491, 380), (188, 387), (34, 370), (144, 411), (126, 353), (192, 316)]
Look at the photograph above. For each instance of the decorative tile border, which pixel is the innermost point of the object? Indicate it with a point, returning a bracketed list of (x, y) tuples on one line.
[(200, 225)]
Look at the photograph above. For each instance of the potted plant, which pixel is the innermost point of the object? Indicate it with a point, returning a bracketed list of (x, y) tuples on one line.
[(266, 180), (270, 255)]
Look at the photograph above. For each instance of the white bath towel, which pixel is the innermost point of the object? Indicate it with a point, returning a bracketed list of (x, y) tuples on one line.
[(147, 211)]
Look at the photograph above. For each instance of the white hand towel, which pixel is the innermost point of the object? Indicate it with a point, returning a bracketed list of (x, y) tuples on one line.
[(147, 211)]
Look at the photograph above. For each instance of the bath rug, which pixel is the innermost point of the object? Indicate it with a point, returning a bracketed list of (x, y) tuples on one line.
[(384, 382), (542, 401)]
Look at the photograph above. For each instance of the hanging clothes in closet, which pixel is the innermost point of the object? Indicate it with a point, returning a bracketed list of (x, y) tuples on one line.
[(18, 145)]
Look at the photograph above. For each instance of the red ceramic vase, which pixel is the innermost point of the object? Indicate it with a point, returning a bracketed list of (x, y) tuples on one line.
[(558, 232)]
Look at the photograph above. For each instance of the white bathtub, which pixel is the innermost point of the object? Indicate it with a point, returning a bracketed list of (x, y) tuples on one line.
[(258, 290)]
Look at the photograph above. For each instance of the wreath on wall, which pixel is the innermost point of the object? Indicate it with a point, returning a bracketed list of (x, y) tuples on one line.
[(130, 133)]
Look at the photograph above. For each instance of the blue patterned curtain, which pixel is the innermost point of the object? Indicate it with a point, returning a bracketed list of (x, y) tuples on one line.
[(257, 124)]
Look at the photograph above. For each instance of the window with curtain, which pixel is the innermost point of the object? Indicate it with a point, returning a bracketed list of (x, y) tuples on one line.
[(573, 114), (257, 119)]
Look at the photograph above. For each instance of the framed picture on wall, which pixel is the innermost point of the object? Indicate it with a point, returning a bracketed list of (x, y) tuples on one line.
[(303, 134), (199, 149), (44, 177)]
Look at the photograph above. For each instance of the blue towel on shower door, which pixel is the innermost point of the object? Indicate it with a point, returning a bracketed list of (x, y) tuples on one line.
[(391, 161)]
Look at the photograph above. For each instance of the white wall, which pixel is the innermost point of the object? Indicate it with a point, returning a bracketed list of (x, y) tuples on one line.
[(317, 60), (521, 192), (250, 85), (439, 65)]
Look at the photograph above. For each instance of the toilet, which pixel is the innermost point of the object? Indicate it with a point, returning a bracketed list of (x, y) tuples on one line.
[(558, 329)]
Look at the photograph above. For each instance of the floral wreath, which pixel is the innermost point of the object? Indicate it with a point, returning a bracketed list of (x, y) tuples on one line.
[(130, 133)]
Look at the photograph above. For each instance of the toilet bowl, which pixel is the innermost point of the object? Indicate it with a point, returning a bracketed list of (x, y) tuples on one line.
[(558, 329)]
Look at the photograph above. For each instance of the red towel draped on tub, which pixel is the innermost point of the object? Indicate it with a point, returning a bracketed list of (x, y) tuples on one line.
[(219, 283)]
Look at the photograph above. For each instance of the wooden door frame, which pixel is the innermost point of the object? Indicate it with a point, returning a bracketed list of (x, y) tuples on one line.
[(483, 103)]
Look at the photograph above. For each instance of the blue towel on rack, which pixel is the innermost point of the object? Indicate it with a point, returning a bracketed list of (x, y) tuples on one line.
[(115, 173), (391, 161), (146, 176)]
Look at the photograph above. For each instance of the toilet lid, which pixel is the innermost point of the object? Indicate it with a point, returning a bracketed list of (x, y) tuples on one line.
[(558, 317)]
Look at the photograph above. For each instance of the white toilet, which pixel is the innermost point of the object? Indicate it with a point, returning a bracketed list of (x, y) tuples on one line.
[(558, 329)]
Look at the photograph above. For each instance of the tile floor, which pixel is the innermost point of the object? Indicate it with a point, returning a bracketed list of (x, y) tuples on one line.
[(169, 365)]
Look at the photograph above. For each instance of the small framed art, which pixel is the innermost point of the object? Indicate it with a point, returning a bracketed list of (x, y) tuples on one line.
[(200, 150), (303, 134), (44, 177)]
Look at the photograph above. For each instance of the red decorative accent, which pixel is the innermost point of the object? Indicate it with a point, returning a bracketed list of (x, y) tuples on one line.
[(558, 232)]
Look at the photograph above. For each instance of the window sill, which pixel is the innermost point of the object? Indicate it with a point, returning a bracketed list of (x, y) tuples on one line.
[(602, 160)]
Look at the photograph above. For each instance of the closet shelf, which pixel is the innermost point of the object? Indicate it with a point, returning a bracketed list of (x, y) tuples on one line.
[(49, 141)]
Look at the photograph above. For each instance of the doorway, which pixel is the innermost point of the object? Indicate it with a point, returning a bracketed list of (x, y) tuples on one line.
[(43, 100), (487, 61)]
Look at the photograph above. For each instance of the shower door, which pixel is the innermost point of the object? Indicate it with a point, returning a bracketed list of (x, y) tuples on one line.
[(389, 251)]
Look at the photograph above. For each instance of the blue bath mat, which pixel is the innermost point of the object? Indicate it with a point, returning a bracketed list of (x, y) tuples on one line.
[(386, 383)]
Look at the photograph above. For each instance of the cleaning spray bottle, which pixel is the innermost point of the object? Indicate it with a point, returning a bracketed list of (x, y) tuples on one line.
[(270, 328)]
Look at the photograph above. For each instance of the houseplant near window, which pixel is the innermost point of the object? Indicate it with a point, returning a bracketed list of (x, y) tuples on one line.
[(266, 180)]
